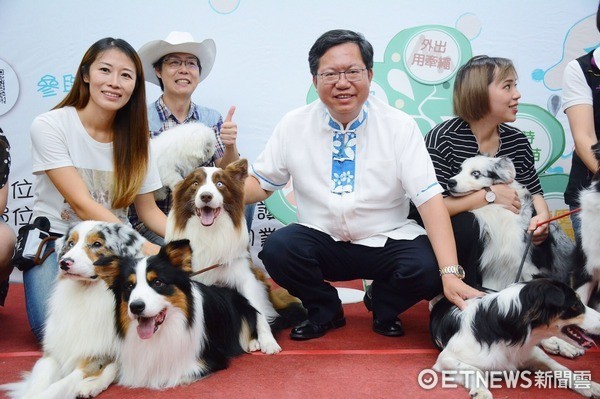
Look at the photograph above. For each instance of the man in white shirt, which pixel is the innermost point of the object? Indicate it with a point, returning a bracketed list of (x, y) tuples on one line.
[(356, 163)]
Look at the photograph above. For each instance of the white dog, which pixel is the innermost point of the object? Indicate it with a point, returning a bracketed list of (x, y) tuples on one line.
[(503, 234), (180, 150), (80, 338), (208, 210)]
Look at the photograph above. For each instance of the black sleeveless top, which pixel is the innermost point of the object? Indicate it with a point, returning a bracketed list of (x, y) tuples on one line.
[(580, 175)]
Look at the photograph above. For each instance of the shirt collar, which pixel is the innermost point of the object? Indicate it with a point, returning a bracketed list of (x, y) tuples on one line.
[(165, 113), (352, 125)]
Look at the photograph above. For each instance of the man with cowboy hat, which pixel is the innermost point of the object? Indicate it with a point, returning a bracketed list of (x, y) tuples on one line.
[(178, 64)]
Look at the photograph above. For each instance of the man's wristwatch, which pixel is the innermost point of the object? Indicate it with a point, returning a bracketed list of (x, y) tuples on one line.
[(457, 270), (490, 196)]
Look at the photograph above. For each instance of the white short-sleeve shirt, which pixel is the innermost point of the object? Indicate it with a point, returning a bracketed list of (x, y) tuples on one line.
[(59, 140), (576, 90), (392, 167)]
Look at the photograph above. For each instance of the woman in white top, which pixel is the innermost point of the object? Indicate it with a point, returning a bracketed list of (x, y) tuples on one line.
[(91, 158)]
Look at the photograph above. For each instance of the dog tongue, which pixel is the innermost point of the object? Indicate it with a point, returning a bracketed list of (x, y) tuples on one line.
[(145, 328), (208, 216)]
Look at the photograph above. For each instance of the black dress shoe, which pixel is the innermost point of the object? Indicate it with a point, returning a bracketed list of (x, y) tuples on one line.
[(310, 330), (389, 328)]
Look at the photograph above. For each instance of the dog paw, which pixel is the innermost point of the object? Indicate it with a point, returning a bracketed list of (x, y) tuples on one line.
[(270, 347), (253, 346), (557, 346), (592, 392), (481, 393)]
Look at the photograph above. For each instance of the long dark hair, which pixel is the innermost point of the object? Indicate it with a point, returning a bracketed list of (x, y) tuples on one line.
[(131, 139)]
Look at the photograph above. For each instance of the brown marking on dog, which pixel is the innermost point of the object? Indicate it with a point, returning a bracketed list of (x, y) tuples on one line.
[(180, 254), (94, 366), (107, 268), (232, 177), (232, 190), (279, 297), (180, 300), (183, 197)]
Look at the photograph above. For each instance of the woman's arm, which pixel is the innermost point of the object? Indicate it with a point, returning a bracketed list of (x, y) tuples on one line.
[(73, 189), (506, 197), (150, 213), (3, 198), (542, 214), (581, 122)]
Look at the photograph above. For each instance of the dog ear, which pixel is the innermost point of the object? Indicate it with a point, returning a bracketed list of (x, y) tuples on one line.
[(238, 169), (542, 299), (505, 170), (107, 268), (179, 253)]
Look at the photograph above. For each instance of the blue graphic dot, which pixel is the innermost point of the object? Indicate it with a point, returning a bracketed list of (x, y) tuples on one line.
[(538, 75)]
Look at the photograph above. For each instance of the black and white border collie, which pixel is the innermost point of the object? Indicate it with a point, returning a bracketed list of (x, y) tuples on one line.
[(587, 264), (208, 210), (503, 234), (501, 331), (174, 330), (80, 342)]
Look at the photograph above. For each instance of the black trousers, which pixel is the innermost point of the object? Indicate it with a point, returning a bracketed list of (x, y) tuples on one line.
[(468, 246), (303, 260)]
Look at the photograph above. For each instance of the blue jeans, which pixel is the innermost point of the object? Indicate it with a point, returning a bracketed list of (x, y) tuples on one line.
[(39, 282)]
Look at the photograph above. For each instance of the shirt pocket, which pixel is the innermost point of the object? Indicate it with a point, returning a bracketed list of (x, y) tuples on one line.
[(379, 182)]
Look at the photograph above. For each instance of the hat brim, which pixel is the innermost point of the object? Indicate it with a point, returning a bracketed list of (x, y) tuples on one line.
[(151, 52)]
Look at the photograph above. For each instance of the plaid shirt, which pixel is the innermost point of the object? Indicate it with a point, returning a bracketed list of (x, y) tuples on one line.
[(167, 120)]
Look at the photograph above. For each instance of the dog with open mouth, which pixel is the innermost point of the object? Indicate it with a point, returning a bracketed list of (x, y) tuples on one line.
[(80, 342), (502, 331), (208, 210), (174, 330)]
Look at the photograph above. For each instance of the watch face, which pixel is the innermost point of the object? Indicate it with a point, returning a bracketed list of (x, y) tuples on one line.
[(490, 196)]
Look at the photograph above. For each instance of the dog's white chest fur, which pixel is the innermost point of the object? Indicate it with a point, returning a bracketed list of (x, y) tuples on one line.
[(72, 302), (151, 362)]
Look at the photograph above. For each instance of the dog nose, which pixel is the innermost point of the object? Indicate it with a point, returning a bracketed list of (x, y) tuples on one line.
[(137, 307), (206, 197), (451, 183), (66, 263)]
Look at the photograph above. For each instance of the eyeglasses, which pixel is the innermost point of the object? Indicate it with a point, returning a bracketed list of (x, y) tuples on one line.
[(176, 63), (352, 75)]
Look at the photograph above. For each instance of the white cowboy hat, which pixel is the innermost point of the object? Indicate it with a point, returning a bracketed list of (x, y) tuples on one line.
[(177, 42)]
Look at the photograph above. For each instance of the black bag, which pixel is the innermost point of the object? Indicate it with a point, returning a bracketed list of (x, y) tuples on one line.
[(31, 243)]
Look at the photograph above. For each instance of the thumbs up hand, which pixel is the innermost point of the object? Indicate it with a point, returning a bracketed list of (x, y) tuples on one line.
[(229, 129)]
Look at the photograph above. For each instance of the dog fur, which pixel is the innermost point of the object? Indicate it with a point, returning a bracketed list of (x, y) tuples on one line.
[(80, 342), (503, 234), (208, 210), (174, 330), (180, 150), (501, 331)]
